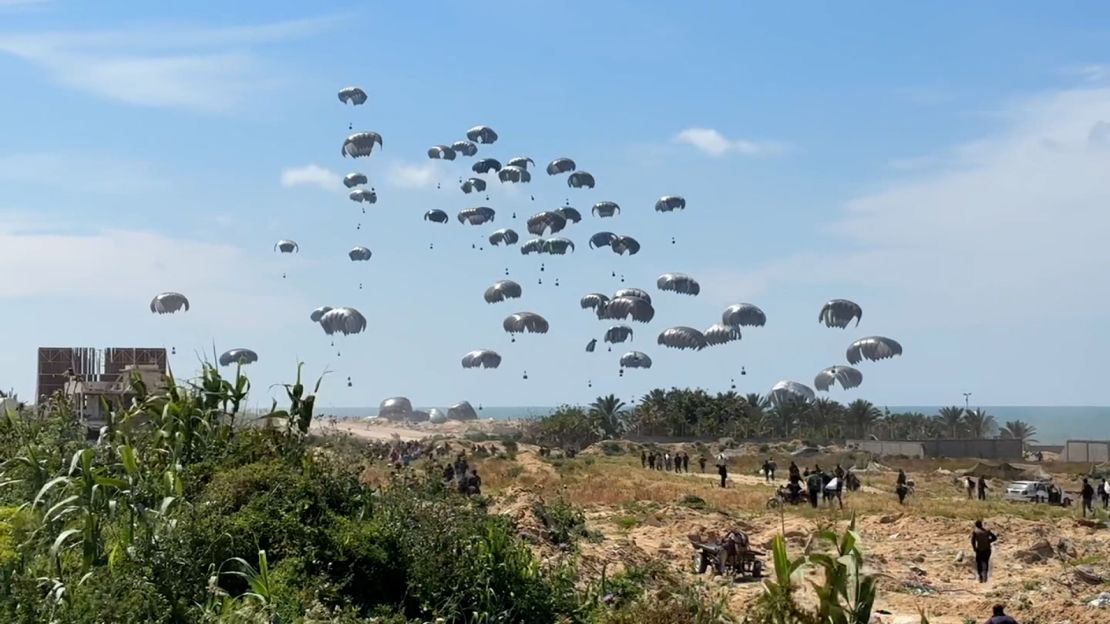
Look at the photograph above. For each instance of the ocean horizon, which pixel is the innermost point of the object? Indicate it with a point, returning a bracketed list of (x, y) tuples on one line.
[(1055, 424)]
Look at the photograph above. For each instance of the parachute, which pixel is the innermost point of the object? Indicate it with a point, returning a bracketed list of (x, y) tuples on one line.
[(514, 174), (744, 315), (363, 195), (787, 391), (606, 209), (839, 313), (669, 203), (395, 408), (436, 216), (623, 308), (580, 179), (486, 165), (238, 356), (546, 222), (679, 283), (481, 358), (502, 290), (465, 148), (319, 313), (593, 300), (525, 322), (472, 185), (521, 161), (560, 165), (682, 338), (359, 254), (344, 321), (846, 376), (352, 95), (441, 152), (721, 334), (351, 180), (618, 333), (286, 246), (873, 348), (505, 236), (482, 134), (625, 245), (360, 144), (635, 359), (168, 303), (476, 216)]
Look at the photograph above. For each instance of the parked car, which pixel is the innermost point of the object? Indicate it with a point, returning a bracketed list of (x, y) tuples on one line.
[(1042, 491)]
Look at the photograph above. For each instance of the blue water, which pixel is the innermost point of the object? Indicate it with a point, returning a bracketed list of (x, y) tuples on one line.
[(1055, 425)]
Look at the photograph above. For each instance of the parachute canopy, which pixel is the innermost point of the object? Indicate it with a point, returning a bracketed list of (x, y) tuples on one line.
[(344, 321), (168, 303), (505, 236), (635, 359), (482, 134), (547, 222), (721, 334), (624, 308), (502, 290), (682, 338), (669, 203), (352, 95), (580, 179), (395, 408), (351, 180), (360, 144), (436, 215), (744, 315), (359, 254), (560, 165), (873, 348), (472, 185), (679, 283), (606, 209), (846, 376), (787, 391), (476, 216), (482, 358), (525, 322), (441, 152), (839, 313), (286, 246), (238, 356)]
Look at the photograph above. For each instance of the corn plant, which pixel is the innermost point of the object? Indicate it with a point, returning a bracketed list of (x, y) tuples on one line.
[(847, 595)]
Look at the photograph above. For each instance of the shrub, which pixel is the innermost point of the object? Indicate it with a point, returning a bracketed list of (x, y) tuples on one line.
[(563, 523)]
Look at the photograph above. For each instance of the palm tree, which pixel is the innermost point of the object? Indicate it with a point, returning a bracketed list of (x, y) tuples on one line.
[(980, 424), (825, 417), (1019, 430), (610, 413), (789, 414), (952, 419), (861, 416), (756, 405)]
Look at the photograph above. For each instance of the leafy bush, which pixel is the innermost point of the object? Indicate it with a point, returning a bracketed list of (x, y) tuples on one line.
[(563, 523)]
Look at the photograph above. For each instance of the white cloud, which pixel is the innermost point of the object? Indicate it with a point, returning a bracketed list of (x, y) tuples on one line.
[(409, 176), (714, 143), (312, 175), (225, 285), (90, 174), (1011, 227), (209, 70)]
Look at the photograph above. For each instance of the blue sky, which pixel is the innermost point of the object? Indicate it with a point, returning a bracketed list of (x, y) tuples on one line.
[(945, 166)]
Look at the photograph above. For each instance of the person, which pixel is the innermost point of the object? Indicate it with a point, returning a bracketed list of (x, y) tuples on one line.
[(833, 490), (678, 462), (902, 490), (982, 540), (998, 616), (983, 488), (773, 466), (651, 460), (667, 463), (813, 488), (970, 488), (795, 474), (449, 473), (767, 469), (643, 459), (901, 477), (722, 468), (1104, 492), (685, 462), (838, 472), (474, 483), (1088, 494), (701, 463)]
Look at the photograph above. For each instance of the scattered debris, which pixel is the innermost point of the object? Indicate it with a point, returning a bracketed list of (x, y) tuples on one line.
[(1102, 601)]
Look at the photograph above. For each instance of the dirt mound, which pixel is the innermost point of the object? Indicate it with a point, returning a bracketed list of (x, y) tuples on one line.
[(519, 505)]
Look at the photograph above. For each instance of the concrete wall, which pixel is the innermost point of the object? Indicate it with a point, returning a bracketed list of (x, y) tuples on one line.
[(888, 447), (1086, 451), (978, 449)]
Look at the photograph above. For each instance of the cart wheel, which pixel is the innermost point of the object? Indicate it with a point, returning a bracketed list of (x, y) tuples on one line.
[(701, 562), (774, 503), (757, 569)]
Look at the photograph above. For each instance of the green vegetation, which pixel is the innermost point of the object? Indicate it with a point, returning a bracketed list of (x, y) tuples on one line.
[(680, 413), (181, 514)]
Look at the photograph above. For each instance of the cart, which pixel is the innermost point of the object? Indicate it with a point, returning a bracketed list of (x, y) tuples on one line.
[(733, 556)]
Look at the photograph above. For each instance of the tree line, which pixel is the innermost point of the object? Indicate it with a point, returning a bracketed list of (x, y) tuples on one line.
[(682, 413)]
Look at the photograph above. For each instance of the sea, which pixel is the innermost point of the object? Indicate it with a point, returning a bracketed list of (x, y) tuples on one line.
[(1055, 424)]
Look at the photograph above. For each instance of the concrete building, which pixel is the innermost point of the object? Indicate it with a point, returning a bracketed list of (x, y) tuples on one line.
[(91, 380), (1086, 451), (978, 449)]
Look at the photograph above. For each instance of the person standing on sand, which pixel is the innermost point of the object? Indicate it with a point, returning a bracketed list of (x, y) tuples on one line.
[(766, 469), (685, 462), (722, 468), (981, 542), (643, 459), (1088, 494), (1104, 492), (970, 488), (983, 488), (999, 616), (813, 488), (701, 462)]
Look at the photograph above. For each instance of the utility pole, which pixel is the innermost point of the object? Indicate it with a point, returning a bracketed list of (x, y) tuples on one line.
[(967, 399)]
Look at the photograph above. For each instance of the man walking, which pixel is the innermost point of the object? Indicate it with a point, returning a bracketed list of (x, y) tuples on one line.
[(1088, 494), (981, 542), (1104, 492), (983, 488), (722, 468), (643, 459)]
